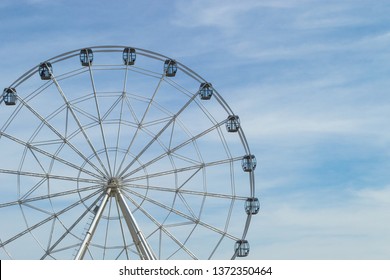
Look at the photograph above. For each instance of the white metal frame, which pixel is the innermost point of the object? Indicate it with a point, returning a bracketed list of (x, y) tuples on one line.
[(112, 177)]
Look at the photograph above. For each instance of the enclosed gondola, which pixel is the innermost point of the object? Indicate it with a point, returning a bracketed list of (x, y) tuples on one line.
[(9, 96), (205, 91), (252, 205), (45, 70), (248, 163), (129, 56), (232, 123), (242, 248), (86, 57), (170, 68)]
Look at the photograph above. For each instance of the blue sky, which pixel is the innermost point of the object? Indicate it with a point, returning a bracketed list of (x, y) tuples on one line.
[(309, 80)]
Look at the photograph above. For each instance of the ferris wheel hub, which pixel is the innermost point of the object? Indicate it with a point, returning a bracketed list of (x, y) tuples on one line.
[(113, 184)]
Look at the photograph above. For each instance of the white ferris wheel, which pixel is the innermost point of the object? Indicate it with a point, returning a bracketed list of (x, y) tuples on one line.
[(115, 152)]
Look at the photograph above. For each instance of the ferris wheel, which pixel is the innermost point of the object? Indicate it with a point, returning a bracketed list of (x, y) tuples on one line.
[(115, 152)]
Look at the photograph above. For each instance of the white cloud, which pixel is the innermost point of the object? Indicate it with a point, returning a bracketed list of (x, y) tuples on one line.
[(331, 15), (258, 31), (332, 225), (226, 15), (375, 197)]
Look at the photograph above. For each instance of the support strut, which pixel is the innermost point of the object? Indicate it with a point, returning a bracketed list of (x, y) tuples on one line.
[(88, 236), (139, 240), (144, 250)]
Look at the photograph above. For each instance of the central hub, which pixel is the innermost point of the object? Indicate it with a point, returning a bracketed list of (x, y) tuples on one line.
[(113, 184)]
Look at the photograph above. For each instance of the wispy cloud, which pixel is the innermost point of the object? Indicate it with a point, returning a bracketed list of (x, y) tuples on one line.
[(309, 80), (223, 14), (327, 226), (312, 97)]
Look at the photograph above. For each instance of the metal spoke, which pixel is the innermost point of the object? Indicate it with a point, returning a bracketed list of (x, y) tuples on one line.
[(162, 228), (48, 219), (183, 169), (173, 150), (60, 135), (100, 120), (119, 132), (183, 215), (48, 176), (34, 188), (33, 147), (49, 196), (183, 191), (34, 208), (76, 119), (156, 136), (69, 229)]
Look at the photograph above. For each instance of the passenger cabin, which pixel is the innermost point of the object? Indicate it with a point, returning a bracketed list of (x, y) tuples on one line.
[(241, 248), (252, 206), (248, 163), (232, 123), (45, 70), (9, 96), (205, 91), (86, 57), (129, 56), (170, 68)]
